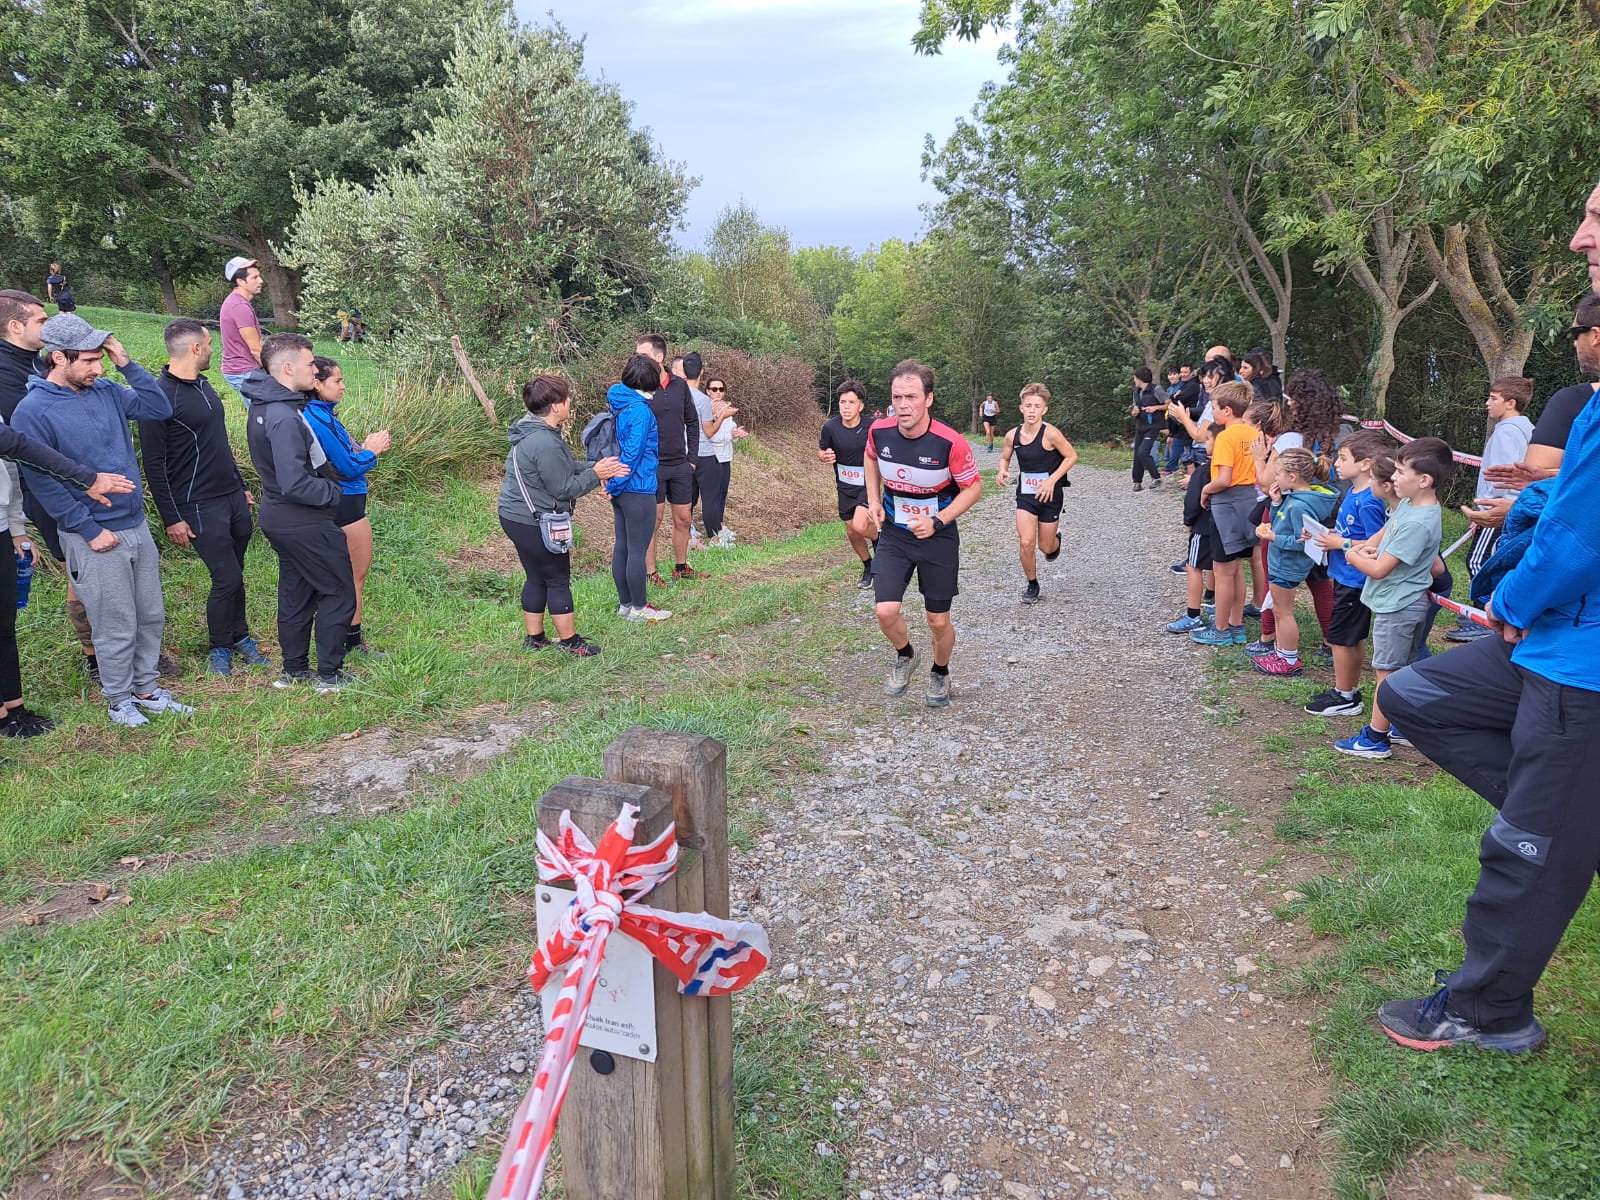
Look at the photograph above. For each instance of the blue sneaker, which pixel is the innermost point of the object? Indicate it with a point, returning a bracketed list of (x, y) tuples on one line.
[(1365, 744), (1186, 624), (1208, 610), (1428, 1024), (1240, 637), (1323, 657), (247, 649), (221, 662), (1251, 611), (1261, 649), (1396, 738), (1213, 636)]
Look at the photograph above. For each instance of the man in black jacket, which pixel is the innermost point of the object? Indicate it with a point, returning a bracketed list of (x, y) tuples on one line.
[(1184, 390), (299, 494), (678, 428), (189, 468), (1149, 410)]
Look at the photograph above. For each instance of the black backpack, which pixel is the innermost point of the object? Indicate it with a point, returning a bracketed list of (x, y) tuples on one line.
[(600, 437)]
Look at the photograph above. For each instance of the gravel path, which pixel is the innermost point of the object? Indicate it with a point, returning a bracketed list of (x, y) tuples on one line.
[(1034, 919), (1036, 916)]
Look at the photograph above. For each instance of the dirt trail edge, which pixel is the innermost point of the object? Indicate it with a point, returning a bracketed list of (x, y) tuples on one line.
[(1041, 920)]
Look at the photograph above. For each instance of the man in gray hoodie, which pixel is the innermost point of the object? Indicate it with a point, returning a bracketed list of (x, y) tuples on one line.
[(299, 495), (111, 556)]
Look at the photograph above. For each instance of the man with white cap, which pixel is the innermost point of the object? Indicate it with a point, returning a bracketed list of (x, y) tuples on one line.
[(111, 556), (241, 330)]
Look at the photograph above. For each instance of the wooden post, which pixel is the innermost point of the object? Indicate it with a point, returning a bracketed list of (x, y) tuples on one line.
[(465, 364), (693, 771), (661, 1130)]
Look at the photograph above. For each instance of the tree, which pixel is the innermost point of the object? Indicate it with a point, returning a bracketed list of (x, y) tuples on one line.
[(871, 317), (753, 274), (187, 120), (529, 212)]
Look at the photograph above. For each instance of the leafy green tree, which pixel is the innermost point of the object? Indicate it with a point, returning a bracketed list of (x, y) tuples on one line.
[(189, 121), (753, 275), (872, 317), (530, 213)]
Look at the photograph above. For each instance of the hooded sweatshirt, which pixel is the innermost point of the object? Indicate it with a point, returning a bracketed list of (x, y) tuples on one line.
[(541, 475), (93, 423), (297, 482), (638, 438), (187, 458), (350, 460), (1287, 560)]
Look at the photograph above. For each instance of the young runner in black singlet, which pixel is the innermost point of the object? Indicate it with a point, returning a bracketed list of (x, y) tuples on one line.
[(843, 446), (1044, 456)]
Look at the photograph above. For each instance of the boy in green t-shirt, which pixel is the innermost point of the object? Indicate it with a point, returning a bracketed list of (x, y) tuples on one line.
[(1399, 571)]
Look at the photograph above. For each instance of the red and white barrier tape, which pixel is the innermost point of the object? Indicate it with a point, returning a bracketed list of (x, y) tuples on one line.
[(710, 957), (1476, 615), (1470, 460)]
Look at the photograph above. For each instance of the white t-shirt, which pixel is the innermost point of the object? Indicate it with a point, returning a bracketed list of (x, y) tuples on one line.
[(720, 444)]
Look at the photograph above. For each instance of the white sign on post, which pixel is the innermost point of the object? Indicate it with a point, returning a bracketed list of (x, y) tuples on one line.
[(622, 1016)]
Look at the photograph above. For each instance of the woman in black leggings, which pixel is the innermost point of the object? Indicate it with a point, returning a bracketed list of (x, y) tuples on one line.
[(541, 482)]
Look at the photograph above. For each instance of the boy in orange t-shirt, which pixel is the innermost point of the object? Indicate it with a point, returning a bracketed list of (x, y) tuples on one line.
[(1230, 495)]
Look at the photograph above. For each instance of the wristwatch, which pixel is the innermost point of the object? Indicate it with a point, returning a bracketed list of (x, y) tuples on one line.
[(939, 525), (1348, 545)]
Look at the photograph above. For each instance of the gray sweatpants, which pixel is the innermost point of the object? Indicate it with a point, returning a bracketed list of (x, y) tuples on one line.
[(121, 589)]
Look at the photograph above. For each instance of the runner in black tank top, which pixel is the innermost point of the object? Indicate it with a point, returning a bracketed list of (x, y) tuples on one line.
[(1044, 456), (843, 446)]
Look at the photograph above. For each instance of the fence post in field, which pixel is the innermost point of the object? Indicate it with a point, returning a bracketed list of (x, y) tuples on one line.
[(693, 771)]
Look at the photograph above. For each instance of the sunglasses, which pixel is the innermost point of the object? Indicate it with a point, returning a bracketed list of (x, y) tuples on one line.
[(1577, 331), (716, 389)]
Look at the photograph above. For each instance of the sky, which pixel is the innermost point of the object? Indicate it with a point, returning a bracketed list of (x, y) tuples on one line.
[(812, 111)]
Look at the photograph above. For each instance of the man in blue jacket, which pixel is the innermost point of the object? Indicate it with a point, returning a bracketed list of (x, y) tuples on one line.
[(110, 554), (1517, 719)]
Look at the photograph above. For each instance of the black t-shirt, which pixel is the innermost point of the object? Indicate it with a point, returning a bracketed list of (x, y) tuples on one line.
[(1560, 411), (849, 447)]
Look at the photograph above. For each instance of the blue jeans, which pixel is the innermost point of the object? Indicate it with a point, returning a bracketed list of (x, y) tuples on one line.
[(1177, 447), (234, 381)]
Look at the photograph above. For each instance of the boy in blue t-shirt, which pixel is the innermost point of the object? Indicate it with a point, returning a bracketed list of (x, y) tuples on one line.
[(1361, 518)]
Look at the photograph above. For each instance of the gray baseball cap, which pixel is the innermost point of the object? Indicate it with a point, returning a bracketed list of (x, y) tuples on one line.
[(69, 331)]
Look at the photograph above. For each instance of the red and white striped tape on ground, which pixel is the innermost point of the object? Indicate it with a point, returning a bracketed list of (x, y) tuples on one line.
[(710, 957), (1471, 460)]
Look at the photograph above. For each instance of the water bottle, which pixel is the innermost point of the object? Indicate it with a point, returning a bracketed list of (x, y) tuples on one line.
[(24, 574)]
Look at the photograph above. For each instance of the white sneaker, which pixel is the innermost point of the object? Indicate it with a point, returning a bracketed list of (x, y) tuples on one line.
[(126, 712), (625, 612), (726, 539), (650, 613), (160, 701)]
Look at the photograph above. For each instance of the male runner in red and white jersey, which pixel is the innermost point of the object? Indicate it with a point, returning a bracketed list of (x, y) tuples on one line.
[(921, 476)]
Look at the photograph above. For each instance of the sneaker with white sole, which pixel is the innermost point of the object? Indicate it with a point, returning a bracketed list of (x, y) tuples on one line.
[(126, 712), (1186, 624), (291, 679), (1366, 744), (938, 690), (162, 701), (650, 614), (1334, 703), (337, 681), (900, 674)]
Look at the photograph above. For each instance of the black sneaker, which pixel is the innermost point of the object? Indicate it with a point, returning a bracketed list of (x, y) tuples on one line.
[(1030, 594), (20, 723), (291, 679), (336, 681), (1333, 703), (1180, 568), (866, 575), (1155, 483), (579, 648), (1251, 611), (1428, 1024), (1052, 555), (534, 641), (1138, 487)]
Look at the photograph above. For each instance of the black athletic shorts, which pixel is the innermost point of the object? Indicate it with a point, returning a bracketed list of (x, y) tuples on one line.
[(1200, 547), (350, 509), (675, 483), (1048, 514), (1220, 555), (851, 499), (1352, 620), (936, 561)]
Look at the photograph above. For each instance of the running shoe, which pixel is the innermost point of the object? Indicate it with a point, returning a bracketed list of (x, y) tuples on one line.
[(1212, 636), (1186, 624), (650, 614), (126, 712), (1261, 649), (865, 581), (900, 674), (291, 679), (1396, 738), (1251, 611), (1322, 656), (1208, 610), (1334, 703), (938, 690), (625, 611), (362, 650), (534, 641), (1155, 482), (247, 649), (1277, 664), (334, 681), (1138, 487), (1428, 1024), (687, 572), (725, 539), (1030, 594), (1180, 568), (220, 661), (162, 701), (20, 723), (655, 578), (1052, 555), (1240, 637), (579, 648), (1365, 744)]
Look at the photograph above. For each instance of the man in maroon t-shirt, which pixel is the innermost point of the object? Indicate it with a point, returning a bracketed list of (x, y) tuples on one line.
[(241, 331), (921, 476)]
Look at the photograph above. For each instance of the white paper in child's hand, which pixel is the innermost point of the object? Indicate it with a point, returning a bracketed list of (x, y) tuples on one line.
[(1314, 529)]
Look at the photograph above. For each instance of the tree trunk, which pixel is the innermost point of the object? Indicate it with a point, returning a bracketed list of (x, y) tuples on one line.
[(1392, 252), (1503, 338), (169, 289), (1380, 362), (282, 286)]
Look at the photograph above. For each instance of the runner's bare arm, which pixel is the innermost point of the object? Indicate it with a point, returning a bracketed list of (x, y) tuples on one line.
[(1003, 477), (874, 491)]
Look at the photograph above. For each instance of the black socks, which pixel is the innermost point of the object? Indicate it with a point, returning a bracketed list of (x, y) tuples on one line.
[(905, 651), (938, 670), (353, 638), (1191, 612)]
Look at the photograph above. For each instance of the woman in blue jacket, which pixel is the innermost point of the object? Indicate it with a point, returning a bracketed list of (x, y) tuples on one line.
[(633, 496), (352, 460)]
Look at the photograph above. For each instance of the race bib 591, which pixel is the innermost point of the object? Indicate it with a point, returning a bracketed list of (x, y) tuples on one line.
[(908, 509)]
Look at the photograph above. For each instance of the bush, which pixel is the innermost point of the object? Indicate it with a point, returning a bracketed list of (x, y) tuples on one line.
[(438, 428)]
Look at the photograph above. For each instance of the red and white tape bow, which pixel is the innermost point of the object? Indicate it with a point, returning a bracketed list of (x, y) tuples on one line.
[(709, 956), (1470, 460)]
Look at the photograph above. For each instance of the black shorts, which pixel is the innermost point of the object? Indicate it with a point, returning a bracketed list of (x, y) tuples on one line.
[(1220, 555), (851, 499), (936, 561), (350, 509), (1048, 514), (1258, 514), (1352, 620), (675, 483), (1200, 547)]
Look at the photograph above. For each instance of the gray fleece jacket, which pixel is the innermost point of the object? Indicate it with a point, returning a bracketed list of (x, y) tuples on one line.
[(541, 475)]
